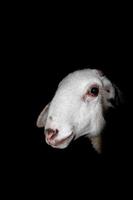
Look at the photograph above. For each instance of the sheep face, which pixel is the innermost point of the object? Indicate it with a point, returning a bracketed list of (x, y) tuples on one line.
[(77, 108)]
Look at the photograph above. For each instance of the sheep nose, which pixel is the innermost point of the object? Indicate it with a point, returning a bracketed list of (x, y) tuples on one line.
[(51, 134)]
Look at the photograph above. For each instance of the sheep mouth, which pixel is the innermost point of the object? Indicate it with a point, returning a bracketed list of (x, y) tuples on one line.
[(68, 139)]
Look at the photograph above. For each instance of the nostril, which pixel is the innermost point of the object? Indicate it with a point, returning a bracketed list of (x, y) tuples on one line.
[(56, 131), (51, 134), (49, 131)]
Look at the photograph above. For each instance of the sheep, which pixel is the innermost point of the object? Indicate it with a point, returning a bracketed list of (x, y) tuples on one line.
[(77, 109)]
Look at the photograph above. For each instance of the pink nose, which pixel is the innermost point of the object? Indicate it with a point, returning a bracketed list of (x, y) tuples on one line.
[(51, 134)]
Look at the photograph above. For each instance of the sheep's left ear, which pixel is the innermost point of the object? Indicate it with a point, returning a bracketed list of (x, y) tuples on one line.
[(41, 120)]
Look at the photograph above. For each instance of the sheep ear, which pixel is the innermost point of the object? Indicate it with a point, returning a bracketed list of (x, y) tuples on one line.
[(42, 117), (96, 142)]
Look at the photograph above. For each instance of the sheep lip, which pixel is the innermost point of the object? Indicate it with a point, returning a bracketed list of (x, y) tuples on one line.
[(57, 143)]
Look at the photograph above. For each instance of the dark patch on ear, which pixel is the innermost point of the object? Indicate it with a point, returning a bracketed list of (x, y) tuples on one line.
[(118, 96)]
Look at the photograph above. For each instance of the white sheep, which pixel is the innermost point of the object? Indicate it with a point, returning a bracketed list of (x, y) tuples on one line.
[(77, 109)]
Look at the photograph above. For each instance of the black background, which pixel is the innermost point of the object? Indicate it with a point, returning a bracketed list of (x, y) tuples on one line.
[(79, 160), (79, 163), (48, 61), (40, 56)]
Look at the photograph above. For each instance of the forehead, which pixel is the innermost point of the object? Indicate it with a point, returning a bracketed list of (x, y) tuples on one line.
[(79, 79)]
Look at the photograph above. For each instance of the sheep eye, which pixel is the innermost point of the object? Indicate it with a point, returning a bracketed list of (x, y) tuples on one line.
[(94, 91)]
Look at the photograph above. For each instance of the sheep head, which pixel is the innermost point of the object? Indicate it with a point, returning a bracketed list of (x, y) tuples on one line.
[(77, 109)]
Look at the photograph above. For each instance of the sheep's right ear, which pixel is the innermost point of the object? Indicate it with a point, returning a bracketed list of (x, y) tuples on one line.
[(41, 121)]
